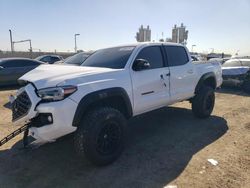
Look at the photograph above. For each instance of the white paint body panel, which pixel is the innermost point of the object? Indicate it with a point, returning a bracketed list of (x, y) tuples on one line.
[(63, 114), (179, 86)]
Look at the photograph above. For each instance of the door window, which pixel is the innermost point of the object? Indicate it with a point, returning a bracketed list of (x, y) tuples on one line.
[(153, 55), (46, 59), (176, 55), (54, 59), (20, 63)]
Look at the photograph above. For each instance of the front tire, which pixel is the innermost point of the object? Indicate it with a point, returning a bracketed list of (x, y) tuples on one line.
[(203, 102), (101, 135)]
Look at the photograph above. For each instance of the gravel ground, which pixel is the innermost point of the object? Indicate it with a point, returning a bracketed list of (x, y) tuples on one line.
[(166, 147)]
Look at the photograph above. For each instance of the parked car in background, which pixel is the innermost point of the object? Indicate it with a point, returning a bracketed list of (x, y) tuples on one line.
[(220, 60), (238, 76), (13, 68), (237, 62), (240, 57), (194, 58), (76, 59), (50, 59), (236, 71)]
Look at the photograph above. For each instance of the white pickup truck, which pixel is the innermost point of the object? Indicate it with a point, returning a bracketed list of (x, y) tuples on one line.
[(112, 85)]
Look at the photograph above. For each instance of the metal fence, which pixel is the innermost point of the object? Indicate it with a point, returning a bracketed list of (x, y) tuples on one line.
[(4, 54)]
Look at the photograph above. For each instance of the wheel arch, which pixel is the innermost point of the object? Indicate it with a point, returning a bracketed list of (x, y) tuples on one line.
[(207, 79), (113, 97)]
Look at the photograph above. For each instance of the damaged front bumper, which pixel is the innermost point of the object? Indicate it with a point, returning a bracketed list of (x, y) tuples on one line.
[(47, 121)]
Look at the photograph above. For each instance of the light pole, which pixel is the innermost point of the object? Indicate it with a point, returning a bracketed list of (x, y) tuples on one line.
[(193, 47), (75, 41), (11, 42)]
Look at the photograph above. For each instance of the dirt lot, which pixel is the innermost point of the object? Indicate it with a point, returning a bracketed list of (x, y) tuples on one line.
[(165, 147)]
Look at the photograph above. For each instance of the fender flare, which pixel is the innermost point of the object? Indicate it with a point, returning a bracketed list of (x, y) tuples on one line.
[(95, 96), (203, 78)]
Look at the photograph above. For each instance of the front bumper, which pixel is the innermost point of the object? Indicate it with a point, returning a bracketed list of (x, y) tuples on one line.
[(61, 111)]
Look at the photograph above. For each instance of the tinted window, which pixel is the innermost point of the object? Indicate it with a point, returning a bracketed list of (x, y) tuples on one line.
[(46, 59), (76, 59), (54, 59), (25, 63), (115, 58), (176, 55), (152, 55), (8, 64), (20, 63)]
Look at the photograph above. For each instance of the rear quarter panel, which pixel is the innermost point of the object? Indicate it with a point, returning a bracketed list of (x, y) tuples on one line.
[(203, 67)]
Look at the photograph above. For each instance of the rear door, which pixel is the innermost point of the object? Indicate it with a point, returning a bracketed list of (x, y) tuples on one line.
[(150, 86), (182, 78)]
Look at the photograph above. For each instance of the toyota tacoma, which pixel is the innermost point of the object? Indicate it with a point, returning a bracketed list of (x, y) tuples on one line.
[(112, 85)]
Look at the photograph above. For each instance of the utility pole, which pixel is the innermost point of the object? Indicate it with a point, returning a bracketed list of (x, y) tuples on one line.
[(11, 42), (178, 35), (75, 42), (30, 46)]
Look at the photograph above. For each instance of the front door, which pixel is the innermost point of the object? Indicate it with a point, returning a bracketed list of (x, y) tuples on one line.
[(150, 86)]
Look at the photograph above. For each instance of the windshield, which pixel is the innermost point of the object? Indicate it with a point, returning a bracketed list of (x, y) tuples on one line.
[(39, 57), (76, 59), (115, 58)]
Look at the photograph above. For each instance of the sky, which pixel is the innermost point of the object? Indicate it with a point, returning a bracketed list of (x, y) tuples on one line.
[(222, 25)]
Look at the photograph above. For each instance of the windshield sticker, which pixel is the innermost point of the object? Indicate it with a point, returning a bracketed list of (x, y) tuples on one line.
[(126, 49)]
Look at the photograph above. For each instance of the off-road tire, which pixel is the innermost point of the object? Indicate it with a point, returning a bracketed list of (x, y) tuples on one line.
[(246, 86), (95, 131), (203, 102)]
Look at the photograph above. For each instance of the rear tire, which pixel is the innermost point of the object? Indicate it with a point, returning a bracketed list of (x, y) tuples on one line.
[(101, 135), (203, 102)]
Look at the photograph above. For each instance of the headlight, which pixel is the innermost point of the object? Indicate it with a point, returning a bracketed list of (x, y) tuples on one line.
[(56, 93)]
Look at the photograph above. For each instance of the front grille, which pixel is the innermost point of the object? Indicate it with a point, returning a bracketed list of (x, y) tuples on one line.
[(20, 106)]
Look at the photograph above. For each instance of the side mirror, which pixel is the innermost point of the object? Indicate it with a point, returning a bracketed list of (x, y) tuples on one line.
[(141, 64)]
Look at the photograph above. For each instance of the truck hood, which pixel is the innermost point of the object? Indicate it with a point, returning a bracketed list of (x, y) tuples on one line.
[(52, 75)]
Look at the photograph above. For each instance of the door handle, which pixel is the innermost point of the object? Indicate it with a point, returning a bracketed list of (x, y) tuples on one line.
[(190, 71), (168, 74), (163, 80)]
